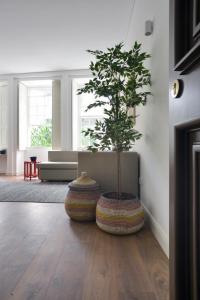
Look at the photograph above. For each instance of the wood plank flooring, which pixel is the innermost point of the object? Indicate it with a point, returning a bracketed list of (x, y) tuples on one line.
[(45, 256)]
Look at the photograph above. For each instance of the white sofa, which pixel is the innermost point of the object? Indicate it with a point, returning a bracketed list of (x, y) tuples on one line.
[(61, 165)]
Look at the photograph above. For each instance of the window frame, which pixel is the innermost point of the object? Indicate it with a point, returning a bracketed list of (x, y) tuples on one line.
[(27, 144), (29, 124), (76, 129)]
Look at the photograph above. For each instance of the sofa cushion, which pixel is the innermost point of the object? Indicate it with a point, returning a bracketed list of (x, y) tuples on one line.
[(58, 165), (60, 156)]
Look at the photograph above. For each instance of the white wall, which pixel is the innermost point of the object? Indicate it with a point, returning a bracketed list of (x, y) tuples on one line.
[(41, 153), (24, 155), (23, 116), (153, 118), (3, 124), (56, 111), (3, 114)]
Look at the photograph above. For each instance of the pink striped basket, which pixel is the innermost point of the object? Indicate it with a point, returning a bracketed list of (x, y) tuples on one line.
[(119, 216), (81, 199)]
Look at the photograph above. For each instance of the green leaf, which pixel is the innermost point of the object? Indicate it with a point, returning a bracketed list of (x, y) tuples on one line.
[(120, 81)]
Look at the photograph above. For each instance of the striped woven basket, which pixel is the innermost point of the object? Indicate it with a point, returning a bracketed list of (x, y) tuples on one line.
[(119, 216), (81, 199), (81, 205)]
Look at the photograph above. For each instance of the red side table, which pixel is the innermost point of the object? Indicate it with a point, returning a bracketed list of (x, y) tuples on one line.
[(30, 170)]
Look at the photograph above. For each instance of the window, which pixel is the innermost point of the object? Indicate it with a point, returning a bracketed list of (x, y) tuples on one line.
[(35, 114), (83, 119), (40, 116)]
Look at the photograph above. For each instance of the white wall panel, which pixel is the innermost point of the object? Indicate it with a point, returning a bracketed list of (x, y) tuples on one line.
[(3, 115), (154, 117)]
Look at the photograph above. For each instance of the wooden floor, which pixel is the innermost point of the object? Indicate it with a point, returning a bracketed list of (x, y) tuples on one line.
[(44, 255)]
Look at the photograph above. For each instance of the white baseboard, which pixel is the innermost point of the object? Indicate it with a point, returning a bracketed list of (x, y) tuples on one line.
[(9, 174), (20, 173), (158, 232)]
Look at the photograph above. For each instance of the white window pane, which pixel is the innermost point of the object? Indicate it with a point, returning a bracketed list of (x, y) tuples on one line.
[(36, 91), (83, 119), (40, 116)]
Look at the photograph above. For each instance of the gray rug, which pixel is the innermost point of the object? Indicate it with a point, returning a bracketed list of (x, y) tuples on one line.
[(33, 191)]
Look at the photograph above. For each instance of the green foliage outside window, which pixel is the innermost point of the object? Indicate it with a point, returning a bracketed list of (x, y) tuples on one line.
[(41, 136)]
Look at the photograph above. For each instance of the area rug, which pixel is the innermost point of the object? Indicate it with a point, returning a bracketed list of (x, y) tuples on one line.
[(33, 191)]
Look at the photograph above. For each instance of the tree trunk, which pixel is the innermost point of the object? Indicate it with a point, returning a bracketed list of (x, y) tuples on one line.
[(118, 174)]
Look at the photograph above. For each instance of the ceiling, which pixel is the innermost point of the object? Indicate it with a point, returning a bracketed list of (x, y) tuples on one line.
[(50, 35)]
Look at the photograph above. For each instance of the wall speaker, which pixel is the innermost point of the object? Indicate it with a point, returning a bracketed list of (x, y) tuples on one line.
[(148, 27)]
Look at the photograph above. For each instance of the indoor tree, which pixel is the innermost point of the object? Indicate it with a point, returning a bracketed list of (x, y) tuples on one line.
[(120, 81)]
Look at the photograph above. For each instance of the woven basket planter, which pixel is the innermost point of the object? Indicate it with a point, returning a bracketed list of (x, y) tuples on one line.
[(119, 216), (81, 199)]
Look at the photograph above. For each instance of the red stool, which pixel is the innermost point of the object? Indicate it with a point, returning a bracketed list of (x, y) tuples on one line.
[(30, 170)]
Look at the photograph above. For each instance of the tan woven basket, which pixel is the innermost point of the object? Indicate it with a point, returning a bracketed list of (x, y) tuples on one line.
[(81, 199), (119, 216)]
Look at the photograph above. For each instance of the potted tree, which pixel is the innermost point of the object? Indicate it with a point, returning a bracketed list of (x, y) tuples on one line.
[(120, 83)]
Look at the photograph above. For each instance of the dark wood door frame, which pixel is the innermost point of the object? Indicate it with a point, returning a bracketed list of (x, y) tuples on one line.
[(184, 214), (195, 222), (184, 117), (178, 211)]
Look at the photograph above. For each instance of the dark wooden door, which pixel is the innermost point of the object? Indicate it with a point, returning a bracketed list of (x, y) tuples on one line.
[(185, 150), (193, 205)]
